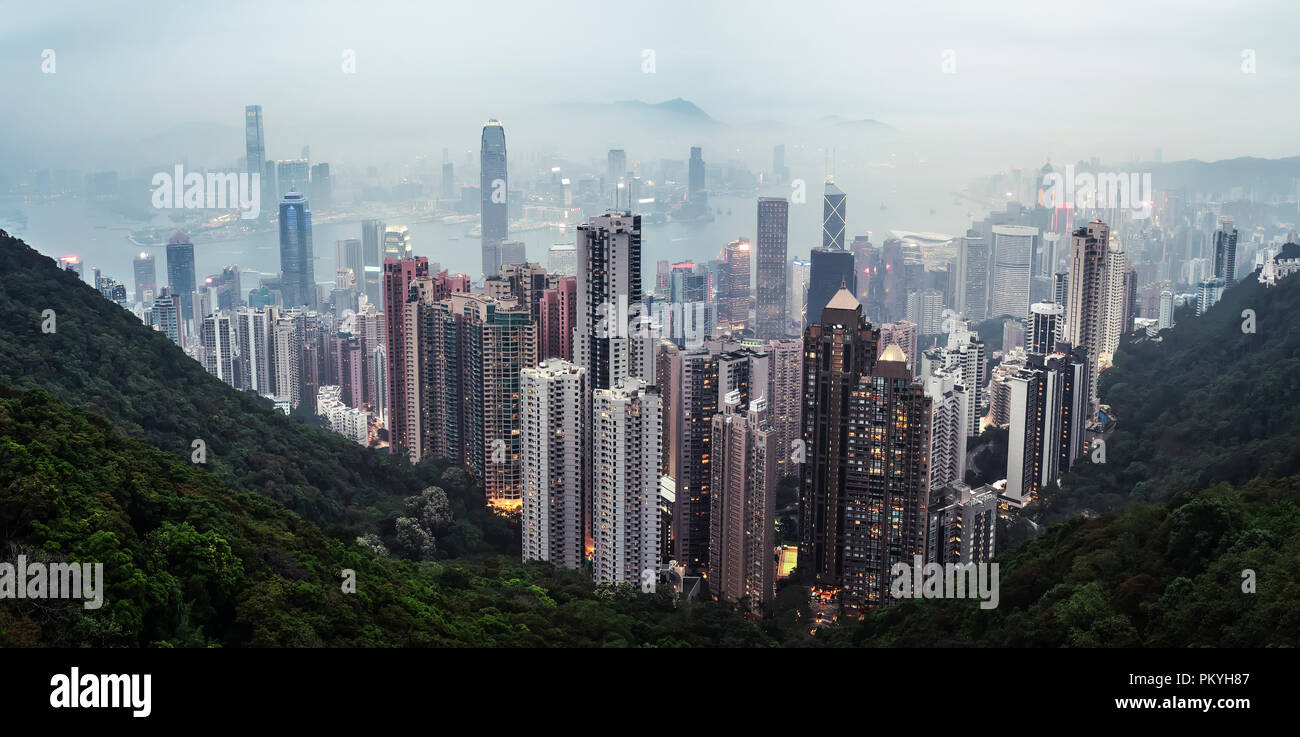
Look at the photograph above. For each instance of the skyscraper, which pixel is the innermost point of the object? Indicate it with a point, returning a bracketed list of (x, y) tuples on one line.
[(146, 277), (838, 350), (255, 155), (946, 388), (397, 243), (733, 287), (297, 264), (743, 504), (886, 479), (1044, 332), (1047, 406), (372, 254), (403, 398), (834, 210), (830, 271), (625, 456), (973, 276), (552, 447), (800, 278), (1087, 285), (609, 282), (695, 174), (616, 169), (493, 191), (1014, 249), (770, 273), (1225, 252), (180, 275), (963, 525)]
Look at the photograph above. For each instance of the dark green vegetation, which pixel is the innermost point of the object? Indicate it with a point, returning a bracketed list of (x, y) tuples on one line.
[(96, 421), (191, 563), (1208, 404)]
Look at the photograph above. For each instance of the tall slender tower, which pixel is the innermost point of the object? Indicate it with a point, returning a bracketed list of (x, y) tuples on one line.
[(1225, 252), (743, 504), (297, 264), (886, 479), (838, 350), (834, 209), (972, 276), (493, 191), (403, 397), (255, 154), (1087, 285), (770, 273), (626, 464), (551, 408), (609, 283), (733, 287), (146, 277), (181, 277)]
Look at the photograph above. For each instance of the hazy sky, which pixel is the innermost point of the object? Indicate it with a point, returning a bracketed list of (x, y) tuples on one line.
[(1032, 79)]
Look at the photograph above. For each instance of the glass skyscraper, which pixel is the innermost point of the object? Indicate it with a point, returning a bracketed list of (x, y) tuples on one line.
[(493, 189), (297, 267)]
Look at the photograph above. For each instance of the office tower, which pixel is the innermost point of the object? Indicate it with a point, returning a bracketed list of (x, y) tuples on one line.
[(834, 210), (800, 278), (230, 294), (293, 175), (1047, 404), (448, 189), (688, 282), (972, 276), (219, 342), (255, 156), (742, 513), (733, 287), (785, 397), (146, 278), (1166, 318), (253, 333), (372, 254), (903, 334), (512, 252), (663, 281), (616, 168), (887, 292), (297, 265), (493, 190), (1061, 289), (1013, 246), (552, 448), (180, 274), (695, 180), (562, 259), (167, 309), (1013, 334), (321, 186), (769, 274), (609, 282), (625, 455), (1112, 323), (945, 387), (780, 173), (558, 317), (838, 350), (925, 310), (886, 479), (403, 398), (1085, 309), (1225, 252), (962, 525), (397, 242), (831, 270), (348, 256), (1044, 327), (1048, 255)]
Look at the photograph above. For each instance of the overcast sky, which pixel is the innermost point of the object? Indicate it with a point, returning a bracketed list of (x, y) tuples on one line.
[(1032, 79)]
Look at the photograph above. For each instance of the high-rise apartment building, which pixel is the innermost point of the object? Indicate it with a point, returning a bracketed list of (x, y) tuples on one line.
[(1225, 252), (743, 504), (552, 451), (1085, 310), (962, 525), (625, 460)]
